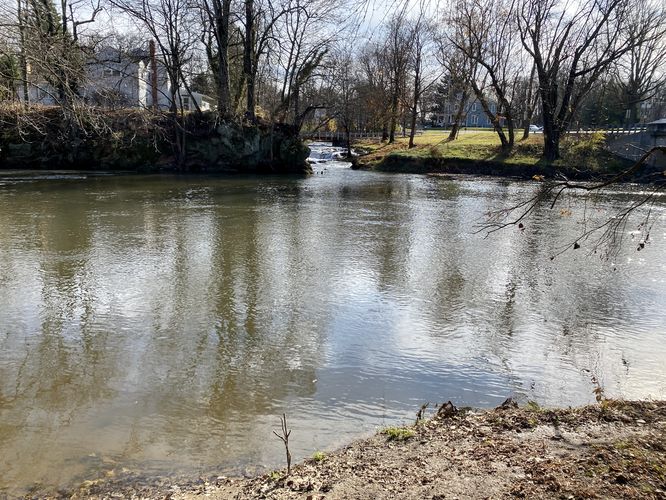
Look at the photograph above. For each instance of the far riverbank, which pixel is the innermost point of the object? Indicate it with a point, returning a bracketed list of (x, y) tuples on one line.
[(48, 138), (478, 153)]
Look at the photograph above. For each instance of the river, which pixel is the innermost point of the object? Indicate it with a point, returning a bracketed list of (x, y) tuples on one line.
[(162, 324)]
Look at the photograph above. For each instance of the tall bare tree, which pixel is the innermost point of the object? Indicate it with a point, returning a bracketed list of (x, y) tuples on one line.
[(373, 89), (217, 13), (483, 31), (397, 57), (423, 72), (455, 86), (572, 45), (641, 72)]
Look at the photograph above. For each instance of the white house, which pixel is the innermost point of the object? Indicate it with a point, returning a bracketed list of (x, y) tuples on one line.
[(122, 79)]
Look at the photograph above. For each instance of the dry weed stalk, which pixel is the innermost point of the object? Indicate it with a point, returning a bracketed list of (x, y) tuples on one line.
[(285, 439)]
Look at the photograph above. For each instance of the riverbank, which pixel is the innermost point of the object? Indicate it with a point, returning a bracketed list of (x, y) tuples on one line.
[(616, 449), (477, 152), (89, 138)]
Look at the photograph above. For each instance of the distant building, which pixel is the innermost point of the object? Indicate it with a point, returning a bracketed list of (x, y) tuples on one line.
[(121, 79), (473, 115)]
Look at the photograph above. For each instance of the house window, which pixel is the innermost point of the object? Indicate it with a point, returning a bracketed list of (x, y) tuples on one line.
[(475, 119), (186, 103), (474, 107)]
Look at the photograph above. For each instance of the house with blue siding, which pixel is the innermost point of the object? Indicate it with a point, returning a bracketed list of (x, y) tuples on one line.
[(473, 115)]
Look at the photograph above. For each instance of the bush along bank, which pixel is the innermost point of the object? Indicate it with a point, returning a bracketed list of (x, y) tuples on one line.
[(52, 138)]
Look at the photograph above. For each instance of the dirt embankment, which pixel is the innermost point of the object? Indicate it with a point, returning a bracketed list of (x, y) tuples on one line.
[(613, 450)]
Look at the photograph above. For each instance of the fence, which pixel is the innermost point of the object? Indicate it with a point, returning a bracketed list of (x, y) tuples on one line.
[(341, 136)]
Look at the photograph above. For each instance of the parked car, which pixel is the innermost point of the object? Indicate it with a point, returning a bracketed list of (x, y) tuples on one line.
[(535, 128)]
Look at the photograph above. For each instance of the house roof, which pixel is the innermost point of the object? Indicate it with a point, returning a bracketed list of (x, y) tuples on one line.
[(661, 121)]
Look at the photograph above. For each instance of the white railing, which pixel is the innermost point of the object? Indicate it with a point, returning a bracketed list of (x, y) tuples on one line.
[(612, 131), (341, 136)]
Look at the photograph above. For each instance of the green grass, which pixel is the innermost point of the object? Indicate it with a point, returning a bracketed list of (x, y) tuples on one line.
[(533, 406), (484, 145), (318, 456), (398, 433), (474, 145), (470, 145)]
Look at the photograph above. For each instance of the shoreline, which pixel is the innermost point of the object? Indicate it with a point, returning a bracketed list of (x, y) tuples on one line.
[(477, 154), (611, 449), (485, 168)]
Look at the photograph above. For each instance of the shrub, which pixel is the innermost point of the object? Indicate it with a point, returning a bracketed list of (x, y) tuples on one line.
[(398, 433)]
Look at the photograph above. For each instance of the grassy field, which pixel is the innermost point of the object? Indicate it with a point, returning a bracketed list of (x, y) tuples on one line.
[(484, 146)]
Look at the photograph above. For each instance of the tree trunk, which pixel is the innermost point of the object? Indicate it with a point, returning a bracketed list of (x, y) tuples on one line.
[(392, 129), (173, 86), (248, 66), (22, 57), (348, 134), (412, 132), (507, 143), (395, 101), (529, 105), (551, 128), (453, 135), (153, 76), (415, 102), (222, 13), (296, 99), (551, 143)]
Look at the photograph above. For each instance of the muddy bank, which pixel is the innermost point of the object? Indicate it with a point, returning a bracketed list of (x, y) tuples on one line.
[(613, 450)]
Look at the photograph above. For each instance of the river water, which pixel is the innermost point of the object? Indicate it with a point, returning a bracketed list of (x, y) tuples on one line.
[(162, 324)]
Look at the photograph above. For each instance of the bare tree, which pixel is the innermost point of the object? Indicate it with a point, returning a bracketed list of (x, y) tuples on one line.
[(306, 37), (217, 14), (171, 25), (345, 92), (261, 18), (397, 57), (483, 31), (528, 97), (455, 87), (374, 91), (424, 75), (641, 72), (572, 45)]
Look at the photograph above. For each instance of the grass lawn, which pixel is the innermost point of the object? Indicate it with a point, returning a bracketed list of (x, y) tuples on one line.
[(484, 146)]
